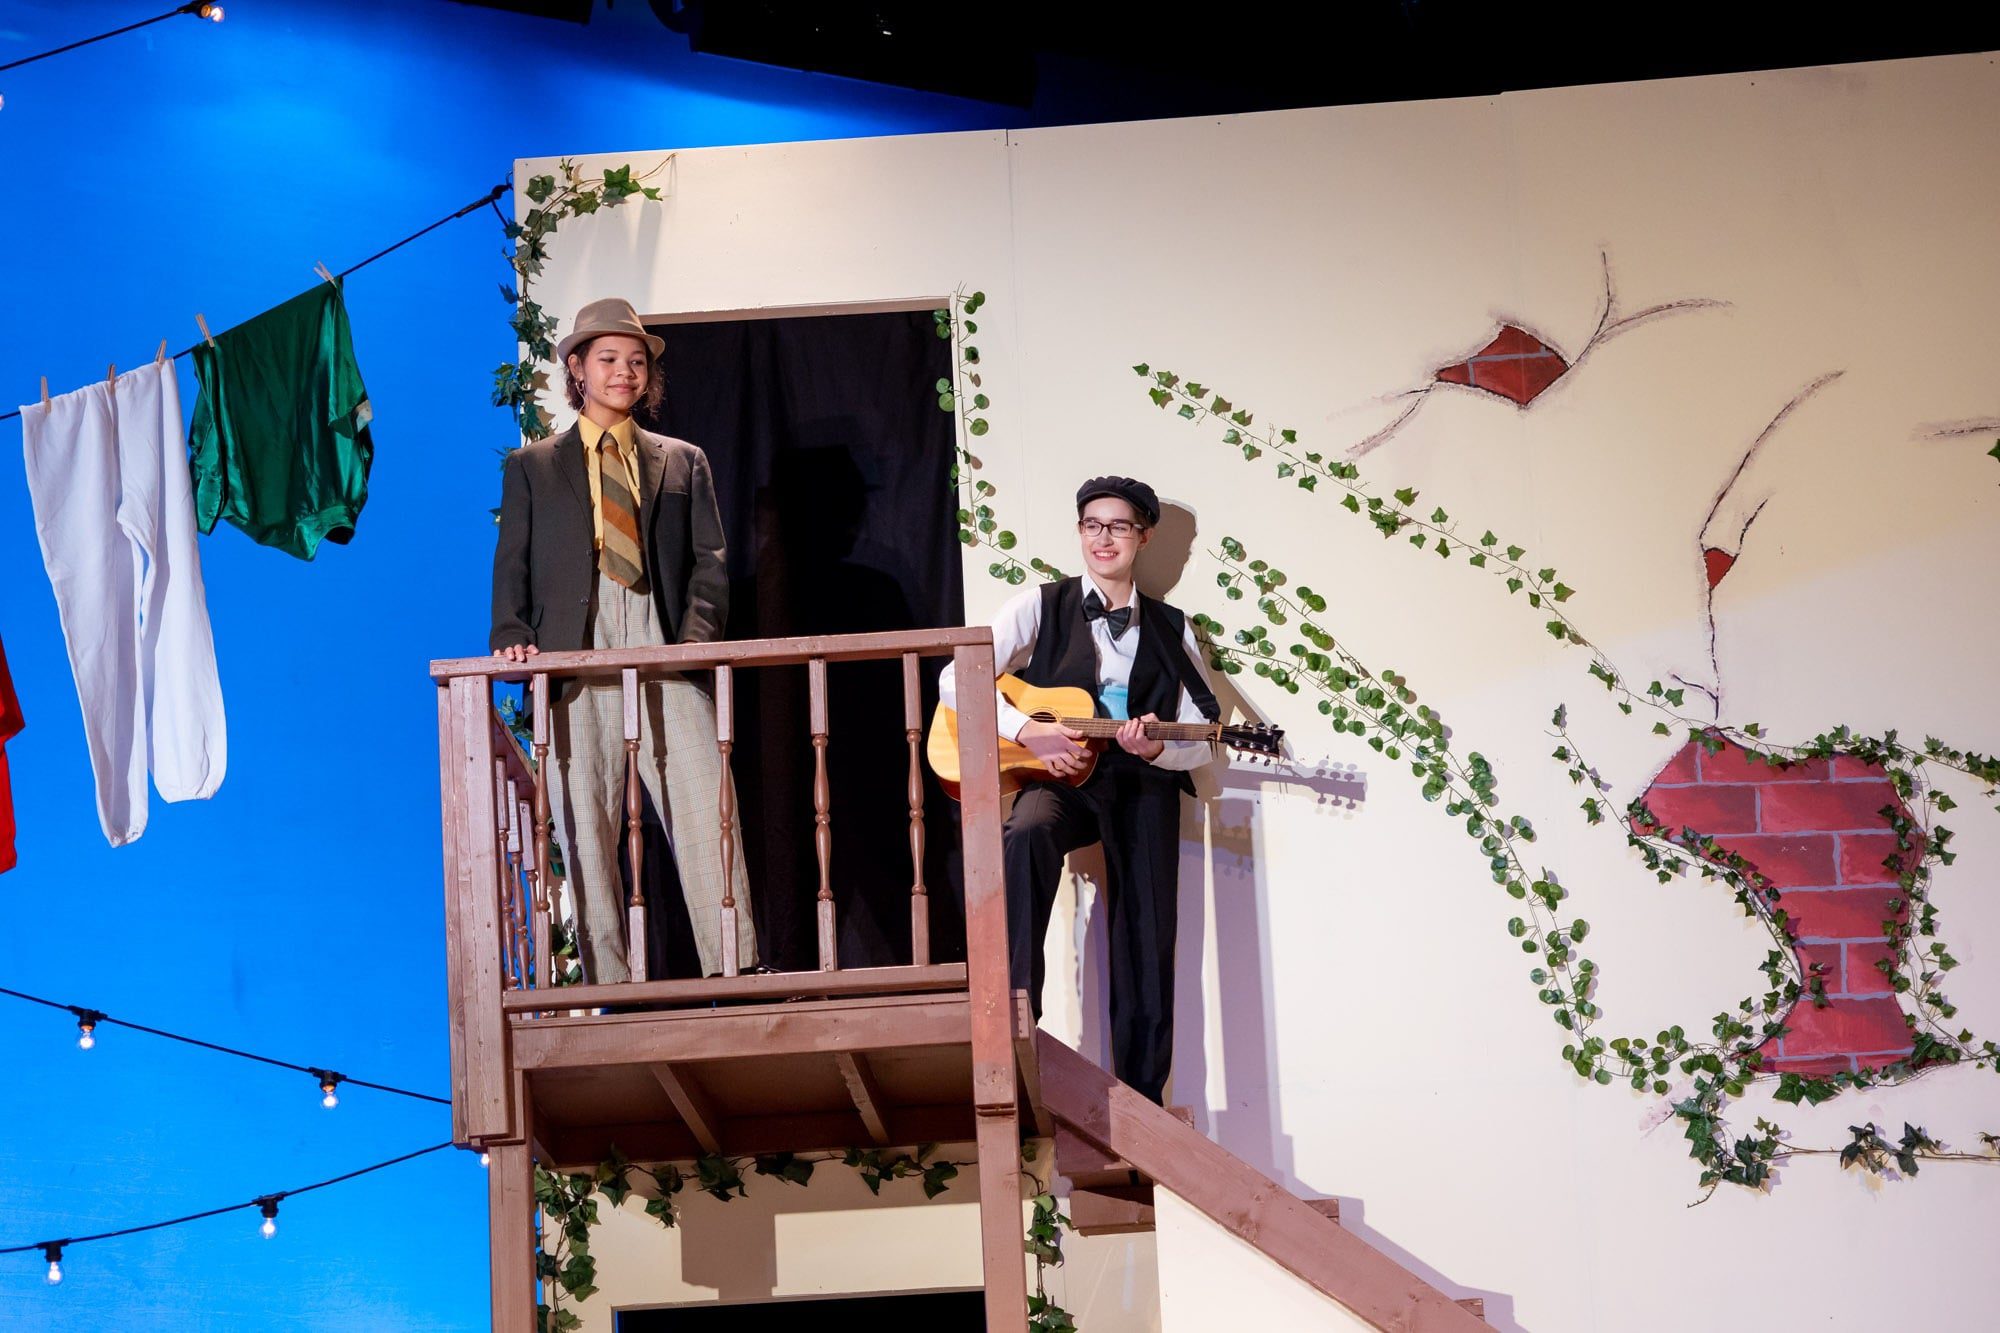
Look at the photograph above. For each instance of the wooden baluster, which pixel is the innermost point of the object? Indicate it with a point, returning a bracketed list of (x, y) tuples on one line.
[(517, 848), (635, 909), (510, 870), (822, 822), (725, 802), (524, 814), (545, 891), (920, 902)]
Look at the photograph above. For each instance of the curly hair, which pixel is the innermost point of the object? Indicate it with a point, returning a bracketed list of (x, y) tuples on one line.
[(656, 383)]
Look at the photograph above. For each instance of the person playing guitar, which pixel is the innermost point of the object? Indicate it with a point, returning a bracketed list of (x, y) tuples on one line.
[(1137, 658)]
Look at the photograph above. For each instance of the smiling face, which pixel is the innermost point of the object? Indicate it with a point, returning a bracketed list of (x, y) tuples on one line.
[(613, 371), (1107, 554)]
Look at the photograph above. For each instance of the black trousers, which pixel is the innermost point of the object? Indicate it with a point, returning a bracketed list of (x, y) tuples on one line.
[(1134, 809)]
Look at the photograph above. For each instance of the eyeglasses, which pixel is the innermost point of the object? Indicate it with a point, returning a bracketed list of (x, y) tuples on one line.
[(1121, 528)]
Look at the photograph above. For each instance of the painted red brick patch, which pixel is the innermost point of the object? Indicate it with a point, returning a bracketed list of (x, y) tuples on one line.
[(1516, 366), (1812, 829)]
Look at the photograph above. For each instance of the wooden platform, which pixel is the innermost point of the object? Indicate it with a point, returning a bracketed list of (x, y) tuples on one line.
[(820, 1075)]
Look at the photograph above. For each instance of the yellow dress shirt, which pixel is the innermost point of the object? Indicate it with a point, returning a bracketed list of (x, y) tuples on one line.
[(626, 435)]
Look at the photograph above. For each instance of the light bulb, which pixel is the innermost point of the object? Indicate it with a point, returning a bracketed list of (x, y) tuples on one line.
[(328, 1081), (53, 1253), (86, 1025), (213, 13), (270, 1227), (269, 1207), (486, 1159), (329, 1101), (86, 1041)]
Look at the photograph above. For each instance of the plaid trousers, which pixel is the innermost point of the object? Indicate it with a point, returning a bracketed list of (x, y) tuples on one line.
[(680, 770)]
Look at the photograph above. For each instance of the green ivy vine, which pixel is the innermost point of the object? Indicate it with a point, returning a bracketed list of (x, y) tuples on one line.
[(568, 1203), (571, 194), (1384, 711), (973, 496)]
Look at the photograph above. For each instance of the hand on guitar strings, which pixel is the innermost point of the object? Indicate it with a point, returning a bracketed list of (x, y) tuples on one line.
[(1133, 737), (1056, 746)]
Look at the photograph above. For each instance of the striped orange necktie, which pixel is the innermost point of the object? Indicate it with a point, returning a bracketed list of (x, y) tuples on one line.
[(620, 556)]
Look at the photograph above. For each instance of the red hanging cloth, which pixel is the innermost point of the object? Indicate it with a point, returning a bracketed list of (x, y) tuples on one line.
[(10, 726)]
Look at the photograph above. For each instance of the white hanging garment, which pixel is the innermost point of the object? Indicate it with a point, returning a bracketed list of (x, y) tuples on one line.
[(114, 512)]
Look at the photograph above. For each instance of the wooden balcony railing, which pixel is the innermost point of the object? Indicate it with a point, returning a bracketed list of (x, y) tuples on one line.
[(512, 1028)]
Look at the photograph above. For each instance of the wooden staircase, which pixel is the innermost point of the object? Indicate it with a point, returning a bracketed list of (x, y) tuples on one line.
[(671, 1070), (1115, 1147)]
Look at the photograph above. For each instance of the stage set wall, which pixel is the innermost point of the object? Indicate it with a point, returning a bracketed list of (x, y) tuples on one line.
[(1815, 251)]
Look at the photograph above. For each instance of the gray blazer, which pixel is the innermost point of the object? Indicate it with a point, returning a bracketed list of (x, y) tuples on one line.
[(545, 565)]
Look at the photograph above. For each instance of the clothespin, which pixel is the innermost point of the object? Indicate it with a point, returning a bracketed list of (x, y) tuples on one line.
[(203, 324), (321, 270), (160, 359), (45, 394)]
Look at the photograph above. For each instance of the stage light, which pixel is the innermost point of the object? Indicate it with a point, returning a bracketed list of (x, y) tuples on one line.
[(269, 1207), (53, 1253)]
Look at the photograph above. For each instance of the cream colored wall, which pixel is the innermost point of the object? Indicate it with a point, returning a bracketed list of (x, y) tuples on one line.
[(1214, 1272), (1353, 1018), (832, 1237)]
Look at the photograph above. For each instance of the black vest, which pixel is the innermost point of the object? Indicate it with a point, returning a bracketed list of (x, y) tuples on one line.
[(1065, 654)]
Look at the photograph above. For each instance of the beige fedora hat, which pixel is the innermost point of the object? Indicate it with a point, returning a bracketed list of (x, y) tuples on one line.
[(611, 315)]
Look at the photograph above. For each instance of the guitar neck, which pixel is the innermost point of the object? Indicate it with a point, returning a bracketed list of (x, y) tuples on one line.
[(1106, 727)]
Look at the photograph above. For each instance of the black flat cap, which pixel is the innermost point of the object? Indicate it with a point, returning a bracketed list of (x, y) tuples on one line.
[(1135, 493)]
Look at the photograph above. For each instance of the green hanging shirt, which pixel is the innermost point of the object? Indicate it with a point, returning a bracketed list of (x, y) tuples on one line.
[(280, 443)]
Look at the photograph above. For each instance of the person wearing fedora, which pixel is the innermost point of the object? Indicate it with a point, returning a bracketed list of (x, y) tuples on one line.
[(1138, 659), (610, 537)]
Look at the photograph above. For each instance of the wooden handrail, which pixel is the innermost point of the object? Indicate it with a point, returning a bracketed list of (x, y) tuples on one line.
[(734, 652), (1241, 1199)]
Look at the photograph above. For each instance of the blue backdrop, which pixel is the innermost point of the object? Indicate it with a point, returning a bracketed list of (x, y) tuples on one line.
[(200, 167)]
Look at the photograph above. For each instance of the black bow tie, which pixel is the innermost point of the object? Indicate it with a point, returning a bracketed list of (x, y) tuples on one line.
[(1119, 621)]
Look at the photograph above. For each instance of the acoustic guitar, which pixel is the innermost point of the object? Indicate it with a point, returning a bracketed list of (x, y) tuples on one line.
[(1075, 709)]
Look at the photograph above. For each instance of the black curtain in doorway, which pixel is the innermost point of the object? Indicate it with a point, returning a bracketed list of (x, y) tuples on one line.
[(832, 466)]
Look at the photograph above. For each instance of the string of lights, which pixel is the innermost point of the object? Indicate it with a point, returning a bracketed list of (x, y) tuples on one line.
[(194, 9), (490, 197), (265, 1204), (89, 1020)]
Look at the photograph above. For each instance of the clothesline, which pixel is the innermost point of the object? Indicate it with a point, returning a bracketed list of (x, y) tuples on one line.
[(491, 197)]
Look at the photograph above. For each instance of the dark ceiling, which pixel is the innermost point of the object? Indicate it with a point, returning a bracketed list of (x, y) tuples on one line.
[(1121, 61)]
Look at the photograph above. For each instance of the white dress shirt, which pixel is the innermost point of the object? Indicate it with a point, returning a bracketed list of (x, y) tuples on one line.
[(1014, 632)]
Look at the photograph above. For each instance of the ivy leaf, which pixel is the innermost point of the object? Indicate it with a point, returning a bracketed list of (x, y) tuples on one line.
[(1406, 496), (1187, 411), (1516, 552)]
